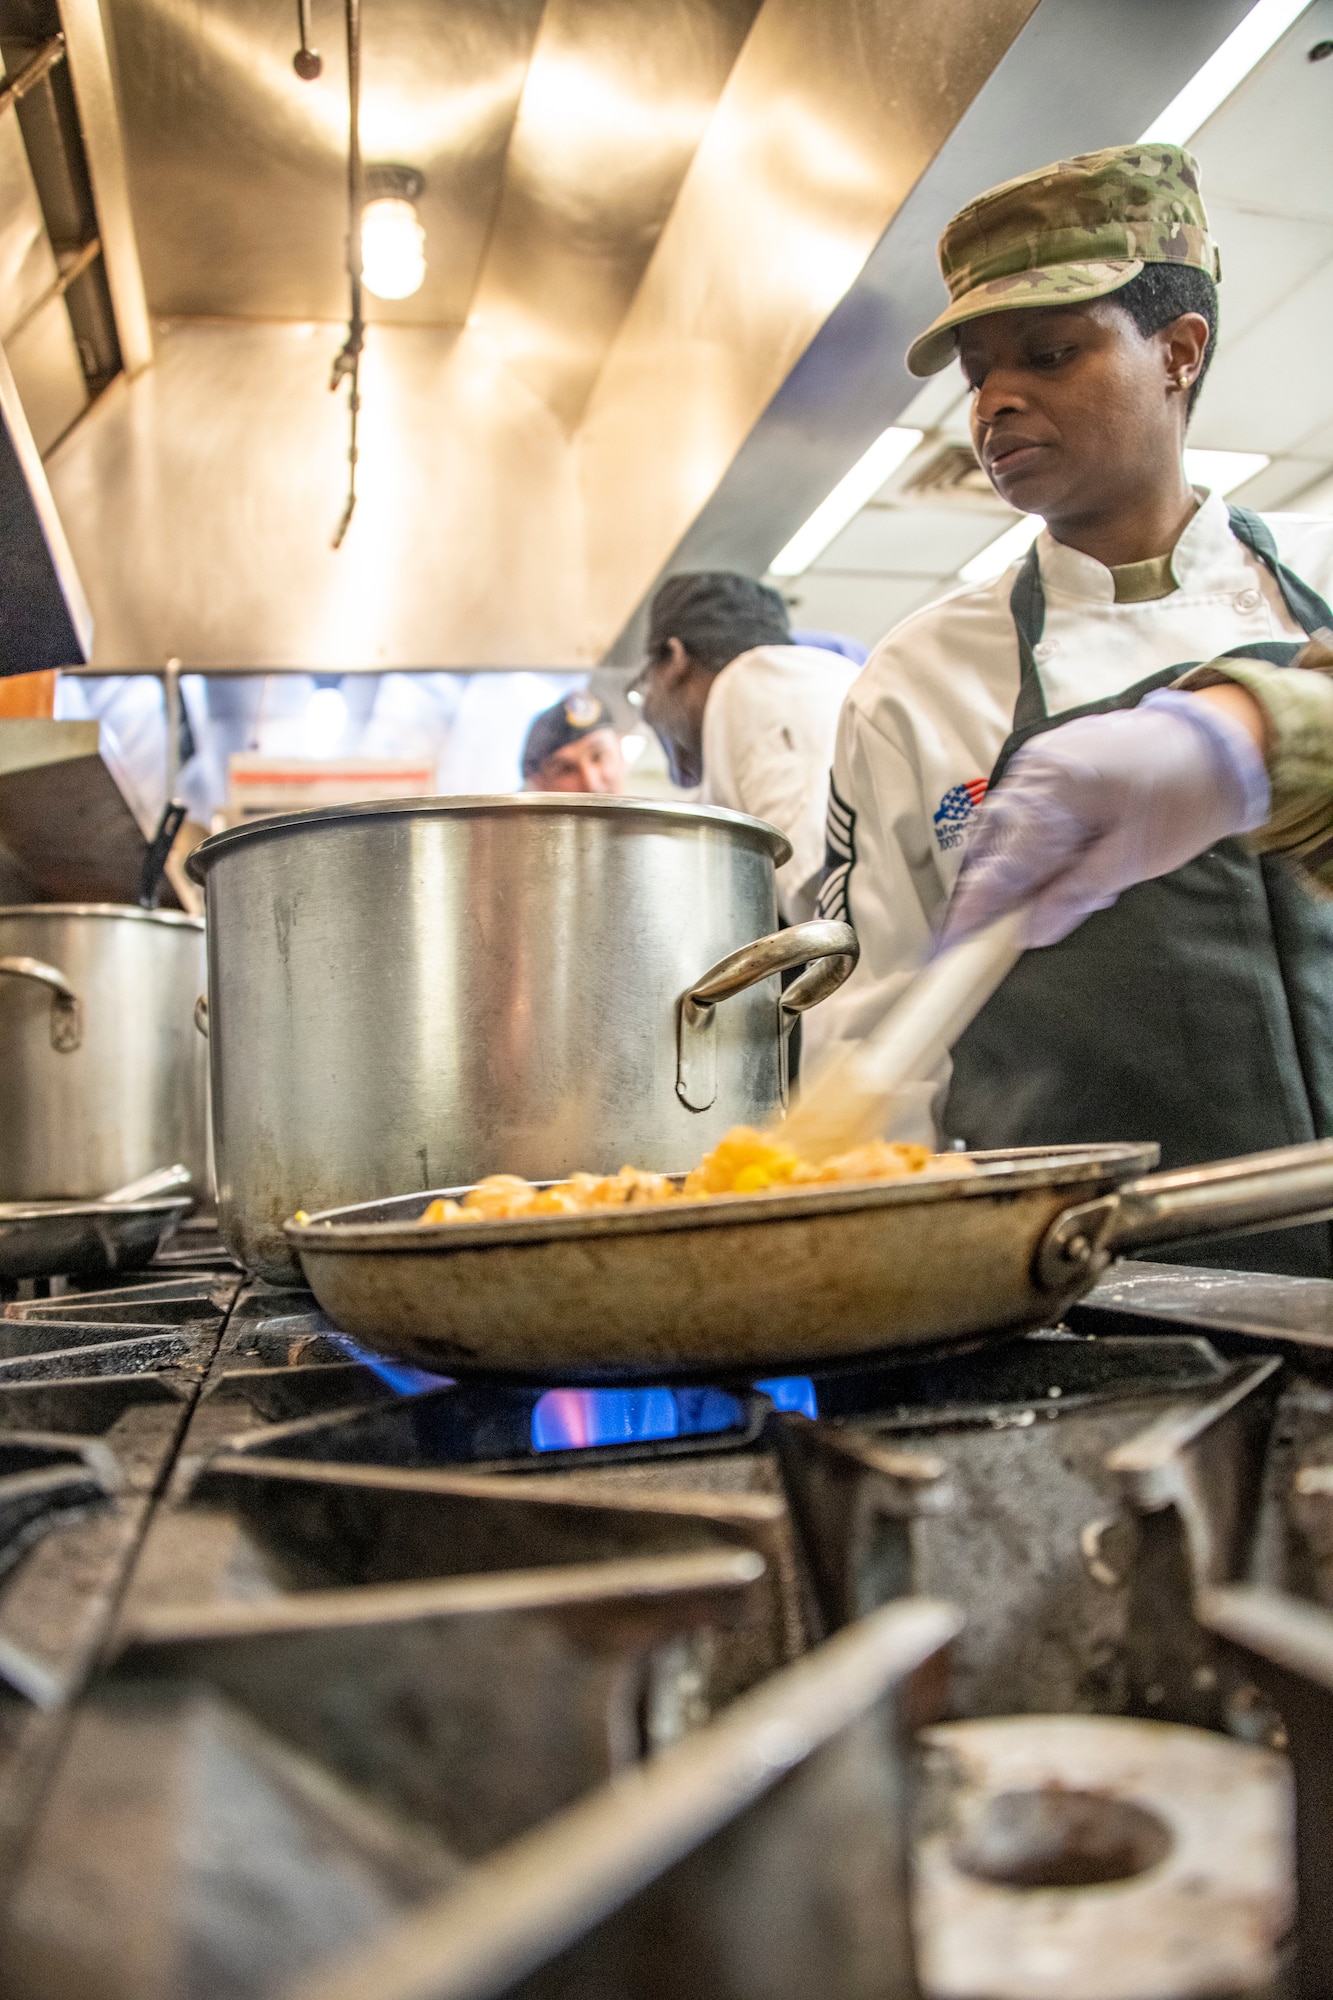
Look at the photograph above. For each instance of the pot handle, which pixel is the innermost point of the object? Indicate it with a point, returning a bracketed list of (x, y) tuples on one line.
[(66, 1007), (829, 951), (1290, 1185)]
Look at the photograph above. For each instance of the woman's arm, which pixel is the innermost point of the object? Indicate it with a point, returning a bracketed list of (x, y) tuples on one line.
[(1288, 712)]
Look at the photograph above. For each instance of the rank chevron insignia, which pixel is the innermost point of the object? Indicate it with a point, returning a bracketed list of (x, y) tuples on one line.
[(839, 858)]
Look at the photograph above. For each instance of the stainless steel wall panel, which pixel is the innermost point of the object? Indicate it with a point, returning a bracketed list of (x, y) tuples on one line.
[(45, 362), (27, 265), (238, 168), (617, 98), (53, 139), (833, 110), (99, 119), (644, 282), (200, 500)]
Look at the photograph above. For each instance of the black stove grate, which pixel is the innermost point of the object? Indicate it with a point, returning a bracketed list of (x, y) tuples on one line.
[(299, 1648)]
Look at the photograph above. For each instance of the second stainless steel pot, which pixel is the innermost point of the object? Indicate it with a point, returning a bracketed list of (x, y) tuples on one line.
[(428, 991), (102, 1077)]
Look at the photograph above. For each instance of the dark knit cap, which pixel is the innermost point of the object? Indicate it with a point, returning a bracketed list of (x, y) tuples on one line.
[(716, 614)]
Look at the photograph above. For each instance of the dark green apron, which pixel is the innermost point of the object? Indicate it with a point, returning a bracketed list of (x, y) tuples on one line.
[(1197, 1010)]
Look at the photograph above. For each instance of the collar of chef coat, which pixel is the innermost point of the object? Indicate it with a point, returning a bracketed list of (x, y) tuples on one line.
[(1206, 558)]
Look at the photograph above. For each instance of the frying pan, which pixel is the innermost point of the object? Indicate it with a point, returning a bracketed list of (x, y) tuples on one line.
[(85, 1239), (765, 1283), (122, 1231)]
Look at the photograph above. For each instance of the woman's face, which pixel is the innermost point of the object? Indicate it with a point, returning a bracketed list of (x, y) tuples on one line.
[(1074, 411)]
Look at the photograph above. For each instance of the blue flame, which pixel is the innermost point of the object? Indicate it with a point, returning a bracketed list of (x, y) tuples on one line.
[(572, 1419), (406, 1381), (792, 1392)]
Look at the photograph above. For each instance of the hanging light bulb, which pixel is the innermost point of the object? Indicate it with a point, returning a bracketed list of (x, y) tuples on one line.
[(393, 242)]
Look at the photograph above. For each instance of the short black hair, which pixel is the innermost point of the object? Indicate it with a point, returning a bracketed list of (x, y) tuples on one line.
[(1161, 293), (716, 614)]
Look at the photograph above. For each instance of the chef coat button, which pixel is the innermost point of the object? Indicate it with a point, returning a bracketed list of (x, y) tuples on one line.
[(1248, 600), (1044, 650)]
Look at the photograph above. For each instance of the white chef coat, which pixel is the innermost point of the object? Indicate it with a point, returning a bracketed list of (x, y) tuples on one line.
[(934, 706), (770, 723)]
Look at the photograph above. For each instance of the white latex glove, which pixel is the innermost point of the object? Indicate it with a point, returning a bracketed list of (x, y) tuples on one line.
[(1087, 809)]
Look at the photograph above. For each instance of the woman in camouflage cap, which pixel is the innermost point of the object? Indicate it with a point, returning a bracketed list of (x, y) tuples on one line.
[(1191, 1010)]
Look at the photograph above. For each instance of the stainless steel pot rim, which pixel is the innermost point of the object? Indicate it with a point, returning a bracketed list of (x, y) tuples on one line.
[(468, 805), (1012, 1171), (176, 919), (50, 1211)]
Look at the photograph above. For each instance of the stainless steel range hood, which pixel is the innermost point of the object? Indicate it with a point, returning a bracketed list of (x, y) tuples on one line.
[(638, 219)]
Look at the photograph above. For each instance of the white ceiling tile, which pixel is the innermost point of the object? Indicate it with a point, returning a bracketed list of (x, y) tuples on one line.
[(1275, 485), (1268, 145), (1263, 258), (1316, 499), (1318, 443), (939, 397), (865, 607), (1269, 390), (911, 541)]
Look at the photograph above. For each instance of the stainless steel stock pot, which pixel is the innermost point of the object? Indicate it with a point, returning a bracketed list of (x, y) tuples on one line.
[(102, 1076), (425, 991)]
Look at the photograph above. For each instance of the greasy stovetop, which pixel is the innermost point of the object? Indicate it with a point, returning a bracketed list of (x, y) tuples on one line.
[(299, 1648)]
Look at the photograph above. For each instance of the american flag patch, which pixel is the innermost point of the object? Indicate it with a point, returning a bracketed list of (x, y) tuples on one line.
[(955, 809)]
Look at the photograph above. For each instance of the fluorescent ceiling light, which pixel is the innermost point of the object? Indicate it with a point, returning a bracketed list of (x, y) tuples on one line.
[(1006, 548), (848, 497), (1227, 67), (1222, 471)]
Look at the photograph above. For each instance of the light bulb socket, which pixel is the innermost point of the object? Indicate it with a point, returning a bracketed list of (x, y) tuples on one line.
[(388, 182)]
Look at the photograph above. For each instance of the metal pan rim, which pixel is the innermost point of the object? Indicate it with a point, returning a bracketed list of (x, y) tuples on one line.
[(1015, 1171)]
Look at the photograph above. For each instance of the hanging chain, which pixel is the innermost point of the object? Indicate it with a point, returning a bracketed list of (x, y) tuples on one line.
[(347, 365), (307, 62)]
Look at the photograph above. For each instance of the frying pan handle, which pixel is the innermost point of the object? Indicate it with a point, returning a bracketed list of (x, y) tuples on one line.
[(829, 951), (66, 1007), (1291, 1185)]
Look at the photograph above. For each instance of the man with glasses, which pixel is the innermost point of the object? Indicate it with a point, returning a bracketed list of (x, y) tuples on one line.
[(745, 714)]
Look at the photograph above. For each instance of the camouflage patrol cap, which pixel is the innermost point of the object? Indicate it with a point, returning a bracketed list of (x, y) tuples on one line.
[(1071, 232)]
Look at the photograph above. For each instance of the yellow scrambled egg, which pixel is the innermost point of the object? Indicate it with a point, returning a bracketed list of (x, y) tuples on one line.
[(744, 1162)]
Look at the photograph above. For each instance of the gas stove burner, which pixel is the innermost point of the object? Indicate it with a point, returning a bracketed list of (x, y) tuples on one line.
[(1079, 1857), (393, 1673)]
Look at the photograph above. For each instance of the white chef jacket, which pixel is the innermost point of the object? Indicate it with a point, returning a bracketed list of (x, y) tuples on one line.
[(770, 723), (927, 719)]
